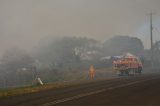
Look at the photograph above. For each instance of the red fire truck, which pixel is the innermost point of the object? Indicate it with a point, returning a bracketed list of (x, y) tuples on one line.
[(128, 65)]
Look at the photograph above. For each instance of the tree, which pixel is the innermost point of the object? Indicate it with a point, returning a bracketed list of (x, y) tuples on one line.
[(15, 67), (122, 44), (65, 50), (16, 58)]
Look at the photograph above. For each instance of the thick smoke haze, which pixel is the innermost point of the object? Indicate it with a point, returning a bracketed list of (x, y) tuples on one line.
[(23, 23)]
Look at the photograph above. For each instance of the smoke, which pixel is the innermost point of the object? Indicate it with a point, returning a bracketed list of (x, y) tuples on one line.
[(24, 22)]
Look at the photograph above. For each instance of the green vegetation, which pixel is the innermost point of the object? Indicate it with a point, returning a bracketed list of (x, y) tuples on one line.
[(64, 58), (29, 89), (70, 79)]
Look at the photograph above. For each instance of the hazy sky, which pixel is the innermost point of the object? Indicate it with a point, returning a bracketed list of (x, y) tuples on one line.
[(24, 22)]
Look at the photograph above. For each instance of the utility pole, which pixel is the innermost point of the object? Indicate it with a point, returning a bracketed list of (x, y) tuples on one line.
[(151, 38)]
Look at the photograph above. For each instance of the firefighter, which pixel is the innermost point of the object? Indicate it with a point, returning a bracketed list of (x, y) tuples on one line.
[(91, 72)]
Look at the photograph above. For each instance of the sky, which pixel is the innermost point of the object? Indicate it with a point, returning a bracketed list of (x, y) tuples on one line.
[(23, 23)]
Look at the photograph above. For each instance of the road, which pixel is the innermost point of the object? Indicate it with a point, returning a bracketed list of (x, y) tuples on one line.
[(140, 90)]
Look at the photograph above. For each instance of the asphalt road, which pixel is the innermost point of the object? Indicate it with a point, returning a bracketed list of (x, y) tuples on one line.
[(140, 90)]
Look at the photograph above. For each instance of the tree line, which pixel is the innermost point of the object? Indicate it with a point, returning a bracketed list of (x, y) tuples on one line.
[(55, 56)]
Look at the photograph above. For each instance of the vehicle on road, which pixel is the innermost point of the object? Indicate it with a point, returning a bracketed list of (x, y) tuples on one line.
[(128, 64)]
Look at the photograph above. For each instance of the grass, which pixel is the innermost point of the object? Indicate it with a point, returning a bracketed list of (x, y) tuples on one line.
[(28, 89), (73, 79), (5, 93)]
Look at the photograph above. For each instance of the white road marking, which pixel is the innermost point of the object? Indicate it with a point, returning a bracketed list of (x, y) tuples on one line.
[(132, 83), (74, 97), (91, 93)]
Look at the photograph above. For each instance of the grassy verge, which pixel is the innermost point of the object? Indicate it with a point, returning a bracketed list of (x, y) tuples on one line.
[(71, 78), (29, 89)]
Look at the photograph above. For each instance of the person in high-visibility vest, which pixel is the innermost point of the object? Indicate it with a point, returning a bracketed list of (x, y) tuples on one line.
[(91, 72)]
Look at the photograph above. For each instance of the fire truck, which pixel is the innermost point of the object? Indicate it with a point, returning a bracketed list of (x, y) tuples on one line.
[(128, 65)]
